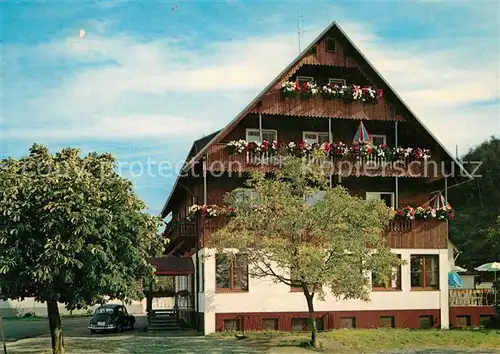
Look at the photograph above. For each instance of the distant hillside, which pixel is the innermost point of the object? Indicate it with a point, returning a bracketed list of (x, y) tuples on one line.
[(478, 206)]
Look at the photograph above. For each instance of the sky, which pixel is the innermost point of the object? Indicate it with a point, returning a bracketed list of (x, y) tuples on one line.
[(149, 77)]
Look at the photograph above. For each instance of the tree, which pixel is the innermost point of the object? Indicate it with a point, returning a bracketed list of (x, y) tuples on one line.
[(331, 244), (477, 206), (73, 232)]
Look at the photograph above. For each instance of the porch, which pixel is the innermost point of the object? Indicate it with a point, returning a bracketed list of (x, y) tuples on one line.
[(168, 306)]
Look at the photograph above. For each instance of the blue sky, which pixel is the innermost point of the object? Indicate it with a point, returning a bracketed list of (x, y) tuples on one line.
[(147, 80)]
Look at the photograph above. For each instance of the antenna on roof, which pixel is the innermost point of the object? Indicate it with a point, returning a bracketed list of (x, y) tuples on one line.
[(299, 30)]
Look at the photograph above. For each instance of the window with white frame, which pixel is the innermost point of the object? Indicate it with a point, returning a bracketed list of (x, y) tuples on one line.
[(243, 194), (387, 197), (315, 137), (378, 139), (303, 79), (340, 82), (314, 198), (253, 135)]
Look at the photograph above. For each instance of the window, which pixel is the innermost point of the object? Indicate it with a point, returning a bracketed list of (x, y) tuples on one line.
[(253, 135), (484, 319), (316, 137), (330, 44), (269, 324), (387, 322), (347, 322), (387, 197), (231, 273), (463, 321), (340, 82), (244, 194), (425, 271), (314, 198), (426, 322), (378, 139), (394, 282), (231, 326), (303, 79), (302, 324)]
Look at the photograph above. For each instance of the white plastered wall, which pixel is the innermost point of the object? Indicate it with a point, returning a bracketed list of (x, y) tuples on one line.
[(265, 296)]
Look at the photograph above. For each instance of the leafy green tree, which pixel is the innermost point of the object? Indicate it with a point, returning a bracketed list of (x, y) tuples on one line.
[(326, 246), (477, 204), (73, 232)]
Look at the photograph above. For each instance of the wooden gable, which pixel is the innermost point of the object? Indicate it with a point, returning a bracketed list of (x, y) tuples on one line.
[(317, 55)]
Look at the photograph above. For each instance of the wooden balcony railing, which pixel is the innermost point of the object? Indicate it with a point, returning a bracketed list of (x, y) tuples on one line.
[(399, 233), (471, 297), (219, 160), (183, 228), (274, 103)]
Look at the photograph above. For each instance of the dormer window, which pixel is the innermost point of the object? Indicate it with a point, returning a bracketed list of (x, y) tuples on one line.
[(340, 82), (303, 79), (379, 139), (330, 45)]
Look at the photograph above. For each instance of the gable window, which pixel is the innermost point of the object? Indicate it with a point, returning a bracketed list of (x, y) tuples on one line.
[(378, 139), (424, 271), (316, 137), (253, 135), (387, 197), (394, 282), (303, 79), (340, 82), (330, 44), (231, 273)]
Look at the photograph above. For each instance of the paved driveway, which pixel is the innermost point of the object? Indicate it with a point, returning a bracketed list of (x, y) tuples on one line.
[(19, 329)]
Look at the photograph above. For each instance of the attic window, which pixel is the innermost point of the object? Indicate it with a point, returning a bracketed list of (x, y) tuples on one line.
[(340, 82), (304, 79), (330, 45)]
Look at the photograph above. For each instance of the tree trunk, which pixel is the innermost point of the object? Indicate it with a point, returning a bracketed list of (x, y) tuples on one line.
[(312, 319), (55, 327)]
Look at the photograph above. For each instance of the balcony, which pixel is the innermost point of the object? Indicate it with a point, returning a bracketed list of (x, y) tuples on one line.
[(183, 228), (219, 160), (399, 233), (471, 297), (274, 103)]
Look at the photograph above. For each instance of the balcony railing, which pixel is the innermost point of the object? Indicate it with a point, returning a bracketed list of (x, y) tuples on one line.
[(274, 103), (399, 233), (219, 160), (471, 297), (183, 228)]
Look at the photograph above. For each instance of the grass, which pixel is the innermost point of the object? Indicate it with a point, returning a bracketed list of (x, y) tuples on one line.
[(376, 340), (338, 341), (24, 318)]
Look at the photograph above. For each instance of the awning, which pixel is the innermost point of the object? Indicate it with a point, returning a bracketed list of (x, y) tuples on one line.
[(171, 265)]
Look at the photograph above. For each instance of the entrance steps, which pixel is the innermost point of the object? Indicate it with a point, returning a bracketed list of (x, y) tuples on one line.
[(163, 320)]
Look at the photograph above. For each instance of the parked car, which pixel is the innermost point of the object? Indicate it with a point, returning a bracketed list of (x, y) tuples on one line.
[(112, 317)]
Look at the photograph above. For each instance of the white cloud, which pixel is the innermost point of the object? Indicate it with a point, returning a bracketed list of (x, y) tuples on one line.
[(127, 87)]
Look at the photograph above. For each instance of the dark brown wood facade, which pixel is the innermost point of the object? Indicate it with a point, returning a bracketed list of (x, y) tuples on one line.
[(291, 117)]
